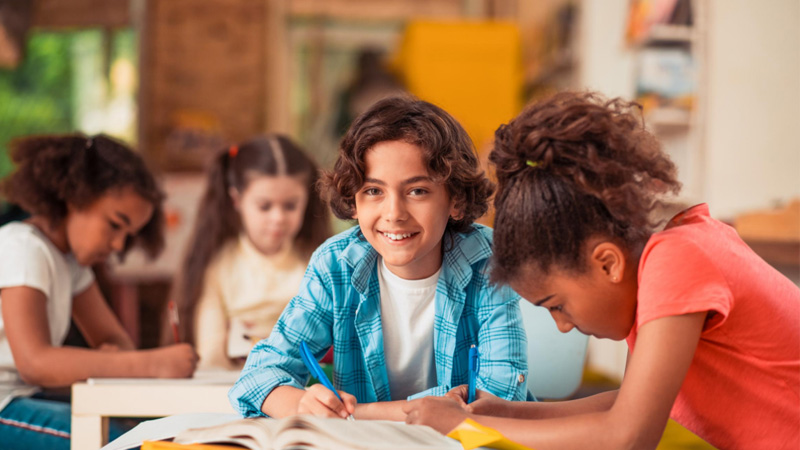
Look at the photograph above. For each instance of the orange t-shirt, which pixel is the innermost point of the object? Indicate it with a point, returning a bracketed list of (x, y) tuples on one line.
[(742, 389)]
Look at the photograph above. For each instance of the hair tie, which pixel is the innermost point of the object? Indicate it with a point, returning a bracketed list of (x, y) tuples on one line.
[(533, 164), (233, 151)]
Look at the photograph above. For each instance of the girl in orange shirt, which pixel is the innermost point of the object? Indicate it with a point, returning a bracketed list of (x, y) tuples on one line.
[(712, 329)]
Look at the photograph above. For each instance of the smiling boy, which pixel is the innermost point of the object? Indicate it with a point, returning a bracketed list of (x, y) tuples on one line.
[(402, 296)]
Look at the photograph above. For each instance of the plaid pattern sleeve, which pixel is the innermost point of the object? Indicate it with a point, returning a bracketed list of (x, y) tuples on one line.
[(276, 361), (503, 346)]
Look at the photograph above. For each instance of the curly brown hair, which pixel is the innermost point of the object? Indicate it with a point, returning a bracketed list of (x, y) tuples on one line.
[(447, 150), (60, 170), (218, 222), (571, 167)]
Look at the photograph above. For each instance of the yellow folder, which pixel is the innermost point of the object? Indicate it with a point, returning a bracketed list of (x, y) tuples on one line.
[(474, 435)]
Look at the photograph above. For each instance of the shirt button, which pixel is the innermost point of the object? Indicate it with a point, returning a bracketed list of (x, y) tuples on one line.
[(521, 378)]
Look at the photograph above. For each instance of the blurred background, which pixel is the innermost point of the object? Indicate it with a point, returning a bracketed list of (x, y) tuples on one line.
[(719, 81)]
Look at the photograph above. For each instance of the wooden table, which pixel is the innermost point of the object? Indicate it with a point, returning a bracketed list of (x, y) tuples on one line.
[(95, 401)]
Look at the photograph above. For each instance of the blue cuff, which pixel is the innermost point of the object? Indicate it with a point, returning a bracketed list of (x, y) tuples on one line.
[(437, 391)]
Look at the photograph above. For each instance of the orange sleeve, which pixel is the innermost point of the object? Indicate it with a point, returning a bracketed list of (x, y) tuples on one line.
[(678, 277)]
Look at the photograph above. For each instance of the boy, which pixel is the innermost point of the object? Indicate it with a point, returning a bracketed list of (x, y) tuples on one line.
[(402, 296)]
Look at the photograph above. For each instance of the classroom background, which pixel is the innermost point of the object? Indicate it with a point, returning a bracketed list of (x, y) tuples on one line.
[(719, 82)]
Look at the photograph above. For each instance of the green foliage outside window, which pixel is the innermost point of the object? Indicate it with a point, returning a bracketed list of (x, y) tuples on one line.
[(36, 97)]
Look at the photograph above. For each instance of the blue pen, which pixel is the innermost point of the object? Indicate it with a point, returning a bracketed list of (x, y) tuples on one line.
[(474, 363), (316, 371)]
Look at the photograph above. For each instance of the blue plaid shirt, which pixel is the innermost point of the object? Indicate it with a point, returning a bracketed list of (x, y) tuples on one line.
[(339, 304)]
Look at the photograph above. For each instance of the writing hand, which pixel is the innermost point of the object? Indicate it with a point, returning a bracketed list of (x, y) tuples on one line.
[(172, 361), (321, 401)]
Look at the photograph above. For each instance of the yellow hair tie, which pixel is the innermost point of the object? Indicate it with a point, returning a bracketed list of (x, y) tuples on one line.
[(533, 164)]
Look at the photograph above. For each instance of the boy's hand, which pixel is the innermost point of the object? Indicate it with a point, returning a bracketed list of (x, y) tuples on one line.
[(320, 401), (440, 413), (172, 361)]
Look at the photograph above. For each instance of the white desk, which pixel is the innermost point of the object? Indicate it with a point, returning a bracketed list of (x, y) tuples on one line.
[(93, 403)]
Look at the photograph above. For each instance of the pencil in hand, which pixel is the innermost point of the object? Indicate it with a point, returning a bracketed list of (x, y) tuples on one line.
[(174, 320)]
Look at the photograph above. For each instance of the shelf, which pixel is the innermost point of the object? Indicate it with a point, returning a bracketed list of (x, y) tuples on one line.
[(777, 253), (669, 118), (668, 47), (669, 33), (773, 234)]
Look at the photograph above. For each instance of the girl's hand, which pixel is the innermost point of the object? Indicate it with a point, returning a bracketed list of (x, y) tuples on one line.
[(320, 401), (440, 413), (108, 348), (485, 404), (173, 361), (460, 394)]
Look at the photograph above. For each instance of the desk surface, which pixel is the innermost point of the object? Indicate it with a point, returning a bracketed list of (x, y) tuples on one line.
[(93, 403), (142, 400)]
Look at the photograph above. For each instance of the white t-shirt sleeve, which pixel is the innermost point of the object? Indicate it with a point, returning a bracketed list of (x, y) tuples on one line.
[(25, 262), (29, 259)]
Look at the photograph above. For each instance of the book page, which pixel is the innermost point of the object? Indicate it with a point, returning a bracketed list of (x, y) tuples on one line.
[(165, 428), (334, 434), (254, 433)]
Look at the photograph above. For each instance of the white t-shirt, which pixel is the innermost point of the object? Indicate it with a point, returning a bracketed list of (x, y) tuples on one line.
[(407, 314), (28, 258)]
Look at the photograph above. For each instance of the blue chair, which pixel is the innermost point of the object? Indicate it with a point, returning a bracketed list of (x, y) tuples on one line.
[(555, 359)]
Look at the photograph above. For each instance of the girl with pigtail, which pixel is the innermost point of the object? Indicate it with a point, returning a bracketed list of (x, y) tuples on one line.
[(257, 225), (712, 329)]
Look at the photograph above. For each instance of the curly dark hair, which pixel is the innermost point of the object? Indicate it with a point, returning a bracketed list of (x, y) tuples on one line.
[(571, 167), (218, 222), (447, 150), (60, 170)]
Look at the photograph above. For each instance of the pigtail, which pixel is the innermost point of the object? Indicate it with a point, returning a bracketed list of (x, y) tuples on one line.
[(316, 219), (217, 222)]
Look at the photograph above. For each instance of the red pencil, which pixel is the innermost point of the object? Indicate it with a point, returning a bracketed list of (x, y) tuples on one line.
[(172, 313)]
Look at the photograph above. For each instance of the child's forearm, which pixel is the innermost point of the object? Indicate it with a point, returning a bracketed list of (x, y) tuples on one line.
[(77, 364), (62, 366), (119, 342), (595, 430), (381, 411), (282, 401), (549, 410)]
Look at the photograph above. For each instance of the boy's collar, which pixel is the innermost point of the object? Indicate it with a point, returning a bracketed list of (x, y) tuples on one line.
[(465, 249)]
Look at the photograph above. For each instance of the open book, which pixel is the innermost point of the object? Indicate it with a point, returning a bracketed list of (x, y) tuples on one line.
[(312, 432)]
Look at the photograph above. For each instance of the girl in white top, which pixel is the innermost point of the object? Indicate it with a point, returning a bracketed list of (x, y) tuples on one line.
[(257, 225), (88, 198)]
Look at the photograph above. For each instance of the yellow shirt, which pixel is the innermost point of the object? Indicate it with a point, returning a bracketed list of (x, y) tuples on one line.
[(243, 296)]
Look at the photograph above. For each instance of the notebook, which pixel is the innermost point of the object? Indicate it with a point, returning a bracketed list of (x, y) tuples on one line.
[(313, 432)]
